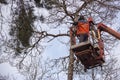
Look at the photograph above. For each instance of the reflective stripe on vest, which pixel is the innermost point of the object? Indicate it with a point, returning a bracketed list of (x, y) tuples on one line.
[(82, 28)]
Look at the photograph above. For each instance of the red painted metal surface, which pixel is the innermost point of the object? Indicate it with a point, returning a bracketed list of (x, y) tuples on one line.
[(107, 29)]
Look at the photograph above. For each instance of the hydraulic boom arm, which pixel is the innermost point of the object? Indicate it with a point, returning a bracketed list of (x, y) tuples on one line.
[(107, 29)]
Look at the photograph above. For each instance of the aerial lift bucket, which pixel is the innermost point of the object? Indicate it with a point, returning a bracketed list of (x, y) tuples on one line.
[(88, 54)]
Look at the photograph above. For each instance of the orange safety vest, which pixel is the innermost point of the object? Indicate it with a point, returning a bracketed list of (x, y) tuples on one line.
[(82, 28)]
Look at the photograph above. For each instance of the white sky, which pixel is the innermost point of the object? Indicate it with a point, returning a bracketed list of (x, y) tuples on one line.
[(7, 70), (54, 50)]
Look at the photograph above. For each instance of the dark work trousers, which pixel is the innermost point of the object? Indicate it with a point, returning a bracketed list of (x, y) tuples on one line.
[(82, 37)]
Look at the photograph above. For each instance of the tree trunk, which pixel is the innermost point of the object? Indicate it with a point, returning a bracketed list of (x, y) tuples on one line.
[(71, 58), (71, 66)]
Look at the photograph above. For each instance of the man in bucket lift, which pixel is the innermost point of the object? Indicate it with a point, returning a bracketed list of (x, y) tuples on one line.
[(82, 29)]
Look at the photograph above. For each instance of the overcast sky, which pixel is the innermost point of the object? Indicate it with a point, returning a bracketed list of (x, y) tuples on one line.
[(54, 48)]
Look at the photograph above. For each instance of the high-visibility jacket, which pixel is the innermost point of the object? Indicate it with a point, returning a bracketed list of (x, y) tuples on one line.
[(82, 28)]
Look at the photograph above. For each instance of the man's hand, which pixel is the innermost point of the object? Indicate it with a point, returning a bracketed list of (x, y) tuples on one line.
[(75, 23)]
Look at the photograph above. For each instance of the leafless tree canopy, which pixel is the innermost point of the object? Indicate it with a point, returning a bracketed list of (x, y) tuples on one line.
[(23, 35)]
